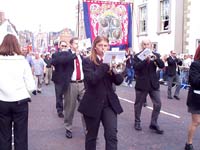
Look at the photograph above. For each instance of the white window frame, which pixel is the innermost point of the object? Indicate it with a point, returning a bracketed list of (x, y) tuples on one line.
[(164, 16), (142, 19)]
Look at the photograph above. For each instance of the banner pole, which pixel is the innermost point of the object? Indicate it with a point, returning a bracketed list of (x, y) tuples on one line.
[(78, 18)]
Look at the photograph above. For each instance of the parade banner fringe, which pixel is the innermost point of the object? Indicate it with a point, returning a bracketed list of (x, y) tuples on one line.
[(111, 19)]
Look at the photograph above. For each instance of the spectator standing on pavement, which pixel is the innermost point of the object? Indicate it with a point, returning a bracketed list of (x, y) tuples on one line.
[(129, 68), (147, 82), (59, 77), (193, 99), (38, 68), (48, 70), (16, 84), (185, 71), (173, 73), (162, 72), (100, 102), (27, 55)]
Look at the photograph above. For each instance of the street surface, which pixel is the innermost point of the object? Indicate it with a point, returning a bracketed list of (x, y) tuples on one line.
[(47, 132)]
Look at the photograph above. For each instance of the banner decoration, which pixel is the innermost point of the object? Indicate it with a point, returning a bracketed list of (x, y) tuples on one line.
[(111, 19)]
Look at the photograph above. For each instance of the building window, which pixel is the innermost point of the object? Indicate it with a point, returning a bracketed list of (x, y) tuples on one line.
[(164, 15), (143, 19)]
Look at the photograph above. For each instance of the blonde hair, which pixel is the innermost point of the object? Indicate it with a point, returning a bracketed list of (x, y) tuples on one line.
[(144, 42)]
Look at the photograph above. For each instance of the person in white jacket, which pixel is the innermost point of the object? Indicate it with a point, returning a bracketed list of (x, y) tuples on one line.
[(16, 84)]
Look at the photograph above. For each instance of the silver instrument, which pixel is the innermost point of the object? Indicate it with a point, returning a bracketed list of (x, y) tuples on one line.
[(116, 61), (152, 56), (145, 54), (117, 66)]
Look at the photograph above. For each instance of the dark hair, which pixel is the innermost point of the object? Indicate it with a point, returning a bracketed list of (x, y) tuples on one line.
[(98, 39), (73, 39), (197, 53), (10, 46)]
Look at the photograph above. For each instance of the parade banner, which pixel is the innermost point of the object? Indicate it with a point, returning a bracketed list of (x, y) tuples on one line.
[(111, 19)]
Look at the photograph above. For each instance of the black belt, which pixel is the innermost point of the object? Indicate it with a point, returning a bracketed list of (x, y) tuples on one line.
[(18, 102), (23, 101), (77, 81)]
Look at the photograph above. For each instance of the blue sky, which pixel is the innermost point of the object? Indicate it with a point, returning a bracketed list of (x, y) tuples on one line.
[(52, 15)]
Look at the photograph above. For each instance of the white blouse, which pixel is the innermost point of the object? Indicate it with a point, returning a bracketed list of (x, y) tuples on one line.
[(16, 79)]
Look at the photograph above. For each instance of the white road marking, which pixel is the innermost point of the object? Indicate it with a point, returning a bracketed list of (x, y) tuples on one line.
[(163, 112), (12, 136), (126, 100)]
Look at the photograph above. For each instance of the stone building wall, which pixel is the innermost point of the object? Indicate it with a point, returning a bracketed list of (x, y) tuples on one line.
[(187, 6)]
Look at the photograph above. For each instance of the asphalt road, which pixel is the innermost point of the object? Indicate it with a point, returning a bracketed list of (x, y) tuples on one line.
[(46, 130)]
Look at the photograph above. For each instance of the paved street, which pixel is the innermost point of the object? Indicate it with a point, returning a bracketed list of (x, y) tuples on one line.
[(46, 130)]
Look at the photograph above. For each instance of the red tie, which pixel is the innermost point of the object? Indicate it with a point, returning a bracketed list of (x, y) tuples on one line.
[(148, 61), (78, 70)]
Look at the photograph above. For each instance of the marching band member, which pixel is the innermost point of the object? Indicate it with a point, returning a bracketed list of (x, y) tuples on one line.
[(147, 83), (100, 103)]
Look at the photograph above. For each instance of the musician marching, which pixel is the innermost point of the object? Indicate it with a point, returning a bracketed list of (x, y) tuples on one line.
[(100, 102), (147, 82)]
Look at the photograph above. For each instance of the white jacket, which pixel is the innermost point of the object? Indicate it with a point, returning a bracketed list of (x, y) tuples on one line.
[(16, 79)]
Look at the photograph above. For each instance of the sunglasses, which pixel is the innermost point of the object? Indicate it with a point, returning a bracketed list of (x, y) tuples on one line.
[(63, 45)]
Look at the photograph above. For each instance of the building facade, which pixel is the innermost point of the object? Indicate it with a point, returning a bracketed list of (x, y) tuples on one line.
[(191, 26), (161, 21), (169, 24)]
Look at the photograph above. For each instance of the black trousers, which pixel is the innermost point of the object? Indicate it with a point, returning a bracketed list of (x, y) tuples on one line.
[(109, 121), (59, 97), (171, 80), (14, 114), (141, 98)]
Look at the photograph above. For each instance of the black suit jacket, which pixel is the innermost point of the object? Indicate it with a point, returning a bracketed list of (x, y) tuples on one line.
[(145, 73), (64, 67), (172, 65), (193, 99), (99, 89)]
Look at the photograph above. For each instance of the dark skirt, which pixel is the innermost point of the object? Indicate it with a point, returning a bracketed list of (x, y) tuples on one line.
[(193, 110)]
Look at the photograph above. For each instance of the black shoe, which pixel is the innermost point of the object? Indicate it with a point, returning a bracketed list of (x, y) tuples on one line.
[(189, 147), (169, 97), (68, 134), (34, 92), (137, 126), (39, 91), (176, 97), (145, 104), (60, 115), (156, 129)]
